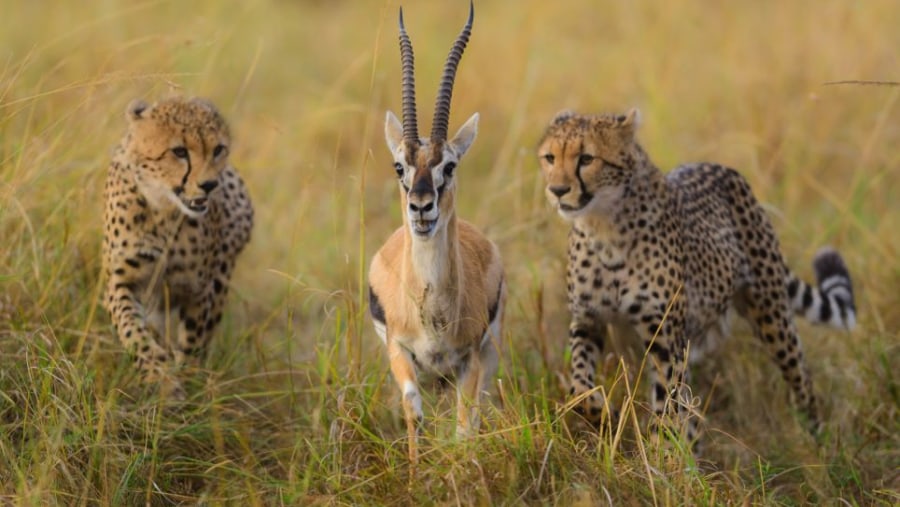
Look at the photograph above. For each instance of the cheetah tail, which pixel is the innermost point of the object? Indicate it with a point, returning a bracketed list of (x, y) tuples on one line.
[(831, 302)]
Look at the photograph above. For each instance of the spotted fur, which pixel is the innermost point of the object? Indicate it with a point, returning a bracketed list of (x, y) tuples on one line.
[(664, 257), (177, 215)]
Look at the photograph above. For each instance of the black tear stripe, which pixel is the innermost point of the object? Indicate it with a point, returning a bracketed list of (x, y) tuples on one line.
[(375, 307), (586, 196), (188, 173)]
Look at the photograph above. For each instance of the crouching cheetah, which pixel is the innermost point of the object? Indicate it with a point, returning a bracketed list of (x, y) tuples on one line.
[(177, 215), (664, 257)]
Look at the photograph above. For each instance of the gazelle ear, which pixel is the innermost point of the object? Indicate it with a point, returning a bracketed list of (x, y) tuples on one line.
[(393, 132), (135, 109), (465, 136)]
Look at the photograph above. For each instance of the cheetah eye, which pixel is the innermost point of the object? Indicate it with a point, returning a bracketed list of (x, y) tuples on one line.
[(585, 159), (218, 150), (399, 168), (448, 169), (180, 152), (549, 158)]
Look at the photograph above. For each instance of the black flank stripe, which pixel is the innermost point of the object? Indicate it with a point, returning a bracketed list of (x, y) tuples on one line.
[(492, 310), (375, 307)]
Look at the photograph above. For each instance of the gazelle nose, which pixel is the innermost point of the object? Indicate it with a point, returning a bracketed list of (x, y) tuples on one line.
[(560, 190), (421, 208)]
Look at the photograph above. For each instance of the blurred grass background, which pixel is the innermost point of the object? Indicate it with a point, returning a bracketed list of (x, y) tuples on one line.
[(295, 406)]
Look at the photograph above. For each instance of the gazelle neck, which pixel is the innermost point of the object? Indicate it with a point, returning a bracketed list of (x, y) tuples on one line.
[(434, 262)]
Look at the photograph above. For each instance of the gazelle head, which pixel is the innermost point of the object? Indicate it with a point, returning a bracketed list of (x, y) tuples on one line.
[(426, 166)]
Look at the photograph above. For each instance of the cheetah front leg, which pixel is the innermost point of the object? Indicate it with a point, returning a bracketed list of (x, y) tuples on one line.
[(587, 336), (198, 319), (152, 360), (670, 395)]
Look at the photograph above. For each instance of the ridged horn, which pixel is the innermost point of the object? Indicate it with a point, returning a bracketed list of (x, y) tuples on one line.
[(442, 105), (410, 125)]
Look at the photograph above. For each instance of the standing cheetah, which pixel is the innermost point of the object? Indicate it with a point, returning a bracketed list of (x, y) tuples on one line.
[(177, 215), (664, 257)]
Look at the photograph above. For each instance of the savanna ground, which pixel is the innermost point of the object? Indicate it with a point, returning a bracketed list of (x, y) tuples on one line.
[(294, 405)]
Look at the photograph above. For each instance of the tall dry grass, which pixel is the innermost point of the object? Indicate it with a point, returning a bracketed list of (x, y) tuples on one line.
[(295, 405)]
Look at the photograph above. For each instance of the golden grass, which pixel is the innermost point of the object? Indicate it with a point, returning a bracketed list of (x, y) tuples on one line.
[(294, 405)]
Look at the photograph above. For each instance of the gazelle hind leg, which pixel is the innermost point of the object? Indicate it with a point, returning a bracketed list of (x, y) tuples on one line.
[(474, 381)]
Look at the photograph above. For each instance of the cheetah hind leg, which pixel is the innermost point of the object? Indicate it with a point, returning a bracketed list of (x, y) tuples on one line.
[(772, 321)]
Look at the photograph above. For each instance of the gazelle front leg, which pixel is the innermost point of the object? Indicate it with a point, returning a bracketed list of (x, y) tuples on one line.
[(474, 380), (405, 374)]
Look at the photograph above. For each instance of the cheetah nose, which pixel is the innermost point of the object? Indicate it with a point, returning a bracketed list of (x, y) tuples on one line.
[(209, 186), (560, 191)]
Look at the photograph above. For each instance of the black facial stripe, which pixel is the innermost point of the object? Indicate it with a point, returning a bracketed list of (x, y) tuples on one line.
[(188, 173), (585, 195), (614, 166), (412, 149), (423, 184)]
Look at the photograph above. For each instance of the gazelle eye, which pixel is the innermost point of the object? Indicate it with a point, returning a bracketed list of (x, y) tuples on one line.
[(549, 158), (180, 152), (448, 169), (585, 159), (218, 150), (399, 168)]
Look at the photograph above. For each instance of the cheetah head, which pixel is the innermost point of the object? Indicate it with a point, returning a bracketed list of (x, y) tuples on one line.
[(177, 149), (587, 160)]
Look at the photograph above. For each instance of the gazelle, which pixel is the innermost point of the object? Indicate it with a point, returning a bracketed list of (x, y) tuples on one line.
[(436, 287)]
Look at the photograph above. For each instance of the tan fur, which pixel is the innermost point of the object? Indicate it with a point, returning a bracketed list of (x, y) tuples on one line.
[(436, 292), (177, 215), (664, 256)]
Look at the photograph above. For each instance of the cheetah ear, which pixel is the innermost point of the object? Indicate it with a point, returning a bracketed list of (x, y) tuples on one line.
[(135, 110), (629, 121), (562, 116), (205, 103)]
